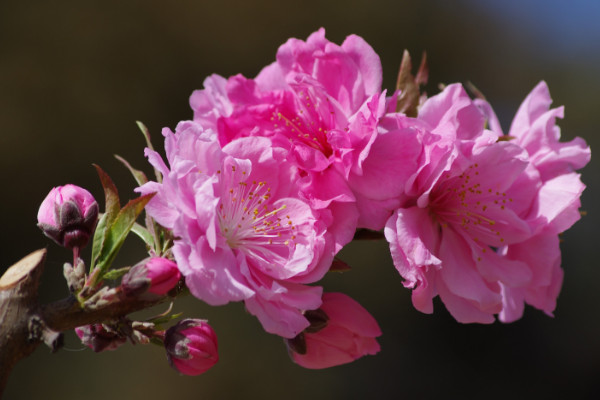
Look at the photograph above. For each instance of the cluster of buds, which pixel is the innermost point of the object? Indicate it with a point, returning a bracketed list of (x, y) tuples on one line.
[(191, 344), (69, 215)]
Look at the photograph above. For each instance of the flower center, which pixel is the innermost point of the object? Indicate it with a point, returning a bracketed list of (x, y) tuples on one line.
[(466, 203), (248, 218), (308, 122)]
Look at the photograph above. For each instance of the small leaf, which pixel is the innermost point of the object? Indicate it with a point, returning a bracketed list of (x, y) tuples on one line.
[(99, 237), (111, 195), (474, 90), (409, 86), (146, 134), (143, 234), (166, 318), (118, 231), (116, 273), (138, 175)]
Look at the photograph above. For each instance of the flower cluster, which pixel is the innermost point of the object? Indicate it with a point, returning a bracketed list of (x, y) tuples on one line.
[(275, 174)]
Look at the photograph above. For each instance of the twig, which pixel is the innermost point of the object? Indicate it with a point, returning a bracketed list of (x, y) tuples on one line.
[(24, 323)]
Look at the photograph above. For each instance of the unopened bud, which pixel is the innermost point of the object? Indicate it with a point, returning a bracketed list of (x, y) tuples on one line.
[(75, 276), (157, 275), (101, 299), (138, 337), (68, 215), (346, 331), (191, 346), (100, 337)]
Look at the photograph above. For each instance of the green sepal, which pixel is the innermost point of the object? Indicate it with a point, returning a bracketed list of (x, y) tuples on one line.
[(138, 175), (118, 231), (114, 274), (143, 234)]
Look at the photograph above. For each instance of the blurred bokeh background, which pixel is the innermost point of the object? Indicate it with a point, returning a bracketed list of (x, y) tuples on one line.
[(75, 75)]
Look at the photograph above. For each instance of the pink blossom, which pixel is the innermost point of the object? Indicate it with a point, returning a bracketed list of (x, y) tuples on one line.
[(348, 334), (243, 232), (320, 102), (443, 241), (191, 346), (534, 129), (484, 209)]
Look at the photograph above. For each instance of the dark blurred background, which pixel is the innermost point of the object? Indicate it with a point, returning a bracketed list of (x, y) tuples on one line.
[(74, 76)]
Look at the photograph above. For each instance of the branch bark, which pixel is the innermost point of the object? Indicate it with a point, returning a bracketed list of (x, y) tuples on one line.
[(24, 323)]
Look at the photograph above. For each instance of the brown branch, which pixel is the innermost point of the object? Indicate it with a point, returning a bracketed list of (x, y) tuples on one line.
[(24, 323)]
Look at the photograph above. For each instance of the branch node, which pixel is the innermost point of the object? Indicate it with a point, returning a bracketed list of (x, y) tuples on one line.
[(39, 331)]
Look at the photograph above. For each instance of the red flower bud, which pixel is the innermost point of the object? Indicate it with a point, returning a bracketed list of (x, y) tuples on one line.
[(68, 215), (157, 275), (191, 346)]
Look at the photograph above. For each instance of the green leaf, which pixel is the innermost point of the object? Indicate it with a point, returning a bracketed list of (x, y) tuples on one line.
[(118, 231), (138, 175), (164, 319), (99, 237), (143, 234), (115, 273), (111, 196), (146, 134)]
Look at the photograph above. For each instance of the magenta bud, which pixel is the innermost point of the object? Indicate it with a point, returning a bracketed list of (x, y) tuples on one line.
[(99, 337), (68, 215), (155, 275), (191, 346)]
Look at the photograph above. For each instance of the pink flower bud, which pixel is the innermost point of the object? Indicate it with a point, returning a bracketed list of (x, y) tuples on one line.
[(191, 346), (157, 275), (341, 331), (68, 215), (99, 337)]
